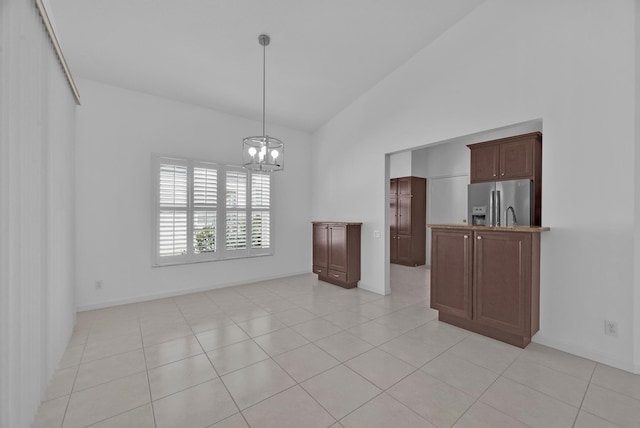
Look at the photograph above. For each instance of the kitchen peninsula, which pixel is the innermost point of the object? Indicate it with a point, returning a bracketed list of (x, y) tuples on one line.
[(487, 279)]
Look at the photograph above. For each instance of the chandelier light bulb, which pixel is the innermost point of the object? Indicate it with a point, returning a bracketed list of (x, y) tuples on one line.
[(252, 151), (274, 154)]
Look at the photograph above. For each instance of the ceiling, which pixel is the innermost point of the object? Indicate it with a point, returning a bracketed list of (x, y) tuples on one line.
[(323, 53)]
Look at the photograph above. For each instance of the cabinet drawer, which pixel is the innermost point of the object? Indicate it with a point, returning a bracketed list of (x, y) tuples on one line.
[(337, 275), (320, 270)]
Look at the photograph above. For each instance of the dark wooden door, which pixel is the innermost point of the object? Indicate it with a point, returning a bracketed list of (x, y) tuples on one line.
[(516, 160), (502, 275), (404, 186), (484, 163), (451, 272), (404, 254), (320, 245), (338, 248), (404, 215), (393, 221)]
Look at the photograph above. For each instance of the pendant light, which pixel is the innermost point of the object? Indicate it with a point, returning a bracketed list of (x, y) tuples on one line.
[(263, 153)]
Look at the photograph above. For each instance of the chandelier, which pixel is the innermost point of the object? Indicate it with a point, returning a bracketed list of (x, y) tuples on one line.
[(263, 153)]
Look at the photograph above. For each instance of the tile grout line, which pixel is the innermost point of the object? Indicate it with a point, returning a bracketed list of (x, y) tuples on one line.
[(66, 409), (485, 391), (351, 307), (146, 367), (213, 366)]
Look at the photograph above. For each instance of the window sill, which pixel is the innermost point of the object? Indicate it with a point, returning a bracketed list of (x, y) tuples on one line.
[(190, 262)]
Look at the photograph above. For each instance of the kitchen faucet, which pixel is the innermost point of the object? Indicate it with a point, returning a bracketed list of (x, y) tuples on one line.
[(506, 215)]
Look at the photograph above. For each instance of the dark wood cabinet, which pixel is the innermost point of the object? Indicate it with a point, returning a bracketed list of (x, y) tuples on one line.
[(502, 279), (512, 158), (407, 220), (336, 252), (451, 264), (485, 163), (487, 281)]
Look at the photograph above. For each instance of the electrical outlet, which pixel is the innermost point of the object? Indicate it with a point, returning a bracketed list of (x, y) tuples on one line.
[(376, 233), (99, 284), (610, 328)]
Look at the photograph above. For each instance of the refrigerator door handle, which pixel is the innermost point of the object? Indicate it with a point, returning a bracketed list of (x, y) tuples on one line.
[(498, 209), (492, 209)]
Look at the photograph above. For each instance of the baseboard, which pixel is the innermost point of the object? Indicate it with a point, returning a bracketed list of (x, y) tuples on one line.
[(365, 288), (590, 354), (166, 294)]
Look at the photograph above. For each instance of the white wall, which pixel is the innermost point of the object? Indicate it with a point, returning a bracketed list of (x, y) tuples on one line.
[(570, 64), (400, 164), (636, 258), (37, 129), (442, 160), (118, 130)]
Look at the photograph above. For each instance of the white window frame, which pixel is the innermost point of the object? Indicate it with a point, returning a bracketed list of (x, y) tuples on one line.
[(221, 253)]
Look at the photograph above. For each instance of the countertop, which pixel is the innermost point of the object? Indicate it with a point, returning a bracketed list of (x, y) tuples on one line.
[(530, 229)]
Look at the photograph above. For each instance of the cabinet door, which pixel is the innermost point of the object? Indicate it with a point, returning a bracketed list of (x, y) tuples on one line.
[(451, 258), (320, 245), (404, 215), (484, 163), (338, 248), (393, 225), (404, 186), (516, 160), (403, 244), (502, 279)]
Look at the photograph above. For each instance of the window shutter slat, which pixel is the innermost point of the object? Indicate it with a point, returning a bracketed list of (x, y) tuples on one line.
[(236, 230), (173, 185), (260, 191), (236, 189), (260, 229), (173, 233), (205, 186)]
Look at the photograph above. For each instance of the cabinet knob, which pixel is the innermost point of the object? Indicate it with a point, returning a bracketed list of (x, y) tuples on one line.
[(479, 237), (336, 275), (503, 173), (494, 175), (466, 236)]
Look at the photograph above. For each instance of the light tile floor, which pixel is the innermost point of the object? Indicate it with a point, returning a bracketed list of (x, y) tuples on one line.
[(296, 352)]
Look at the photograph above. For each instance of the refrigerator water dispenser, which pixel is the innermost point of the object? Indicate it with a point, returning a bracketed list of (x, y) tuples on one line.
[(479, 215)]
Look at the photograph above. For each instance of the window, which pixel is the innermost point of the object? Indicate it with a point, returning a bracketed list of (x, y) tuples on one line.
[(206, 211)]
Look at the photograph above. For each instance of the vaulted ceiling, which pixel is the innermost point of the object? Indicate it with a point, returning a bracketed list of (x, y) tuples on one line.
[(323, 53)]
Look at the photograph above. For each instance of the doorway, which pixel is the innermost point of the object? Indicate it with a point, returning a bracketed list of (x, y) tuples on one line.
[(446, 203)]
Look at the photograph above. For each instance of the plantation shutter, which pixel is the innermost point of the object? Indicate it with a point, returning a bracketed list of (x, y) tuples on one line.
[(260, 210), (206, 211), (236, 210), (205, 202), (173, 208)]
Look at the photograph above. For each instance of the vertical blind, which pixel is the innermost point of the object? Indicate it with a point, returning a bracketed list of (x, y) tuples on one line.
[(37, 215)]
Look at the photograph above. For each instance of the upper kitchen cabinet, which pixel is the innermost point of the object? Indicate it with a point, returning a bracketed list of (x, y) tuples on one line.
[(407, 220), (518, 157), (507, 158)]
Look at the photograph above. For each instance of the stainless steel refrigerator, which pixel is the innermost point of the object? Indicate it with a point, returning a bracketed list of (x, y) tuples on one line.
[(500, 203)]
